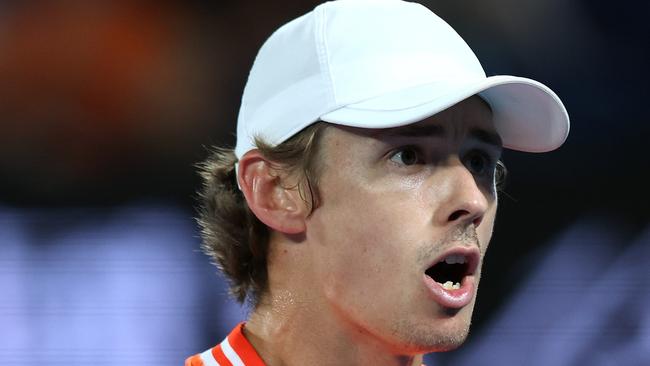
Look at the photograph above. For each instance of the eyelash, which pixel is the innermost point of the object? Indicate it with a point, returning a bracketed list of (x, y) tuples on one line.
[(402, 149)]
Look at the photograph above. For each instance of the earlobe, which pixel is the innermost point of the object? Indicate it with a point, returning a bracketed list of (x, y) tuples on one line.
[(274, 201)]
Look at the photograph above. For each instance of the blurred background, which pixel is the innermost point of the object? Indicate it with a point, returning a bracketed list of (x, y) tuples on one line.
[(105, 107)]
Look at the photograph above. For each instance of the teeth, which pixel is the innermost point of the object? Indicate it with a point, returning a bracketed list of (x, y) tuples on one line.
[(451, 286), (455, 259)]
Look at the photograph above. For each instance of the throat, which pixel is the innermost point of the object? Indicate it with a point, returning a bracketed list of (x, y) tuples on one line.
[(282, 341)]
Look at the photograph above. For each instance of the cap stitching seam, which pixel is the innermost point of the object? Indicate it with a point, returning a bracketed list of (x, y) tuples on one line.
[(323, 52)]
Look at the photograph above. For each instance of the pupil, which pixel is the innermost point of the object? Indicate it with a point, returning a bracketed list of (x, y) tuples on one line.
[(408, 157)]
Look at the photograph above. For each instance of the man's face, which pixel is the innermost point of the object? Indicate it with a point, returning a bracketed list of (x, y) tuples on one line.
[(394, 203)]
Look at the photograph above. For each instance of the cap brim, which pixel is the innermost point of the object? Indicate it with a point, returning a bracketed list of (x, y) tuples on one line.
[(527, 115)]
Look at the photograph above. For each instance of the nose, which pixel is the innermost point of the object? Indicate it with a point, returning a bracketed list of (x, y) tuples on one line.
[(461, 200)]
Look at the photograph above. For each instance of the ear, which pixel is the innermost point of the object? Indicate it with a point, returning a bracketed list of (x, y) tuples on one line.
[(275, 202)]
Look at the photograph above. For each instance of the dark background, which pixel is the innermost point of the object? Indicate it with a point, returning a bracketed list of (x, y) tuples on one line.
[(106, 106)]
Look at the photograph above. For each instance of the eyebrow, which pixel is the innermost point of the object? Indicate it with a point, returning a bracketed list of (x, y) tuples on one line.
[(482, 135), (487, 137)]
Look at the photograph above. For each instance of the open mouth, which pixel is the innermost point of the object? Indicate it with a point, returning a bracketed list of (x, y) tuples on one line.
[(450, 271)]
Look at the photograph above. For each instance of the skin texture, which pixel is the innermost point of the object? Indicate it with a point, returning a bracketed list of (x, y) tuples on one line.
[(349, 276)]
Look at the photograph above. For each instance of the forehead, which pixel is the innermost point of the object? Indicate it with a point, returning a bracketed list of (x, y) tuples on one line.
[(470, 118)]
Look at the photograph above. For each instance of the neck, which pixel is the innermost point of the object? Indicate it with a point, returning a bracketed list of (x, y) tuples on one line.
[(287, 329)]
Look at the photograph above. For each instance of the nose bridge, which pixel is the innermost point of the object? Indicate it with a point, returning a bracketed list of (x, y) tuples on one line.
[(462, 199)]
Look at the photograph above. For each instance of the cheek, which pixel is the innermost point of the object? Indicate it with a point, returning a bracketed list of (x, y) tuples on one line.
[(357, 235), (484, 230), (361, 241), (365, 231)]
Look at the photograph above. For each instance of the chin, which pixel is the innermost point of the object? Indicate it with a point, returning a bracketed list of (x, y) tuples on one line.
[(438, 343), (440, 335), (447, 342)]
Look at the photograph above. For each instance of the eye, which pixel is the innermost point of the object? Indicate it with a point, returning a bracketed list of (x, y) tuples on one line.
[(480, 163), (406, 156)]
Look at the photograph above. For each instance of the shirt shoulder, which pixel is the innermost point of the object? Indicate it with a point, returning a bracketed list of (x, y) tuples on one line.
[(235, 349), (194, 360)]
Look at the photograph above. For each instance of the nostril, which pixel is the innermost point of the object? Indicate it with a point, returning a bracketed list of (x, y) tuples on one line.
[(460, 214), (457, 214)]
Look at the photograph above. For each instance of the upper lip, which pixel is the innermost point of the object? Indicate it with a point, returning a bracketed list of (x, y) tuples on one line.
[(471, 254)]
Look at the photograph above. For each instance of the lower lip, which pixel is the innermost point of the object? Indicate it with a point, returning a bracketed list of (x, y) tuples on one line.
[(455, 298)]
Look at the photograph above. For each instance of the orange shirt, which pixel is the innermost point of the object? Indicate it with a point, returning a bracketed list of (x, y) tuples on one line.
[(234, 350)]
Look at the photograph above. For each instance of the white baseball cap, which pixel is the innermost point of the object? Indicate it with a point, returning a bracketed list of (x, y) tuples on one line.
[(380, 64)]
